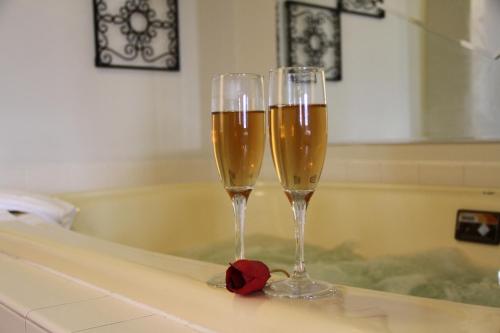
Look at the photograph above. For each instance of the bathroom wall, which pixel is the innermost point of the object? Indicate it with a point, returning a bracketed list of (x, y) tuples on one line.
[(381, 78), (484, 27), (447, 71), (68, 126), (476, 164)]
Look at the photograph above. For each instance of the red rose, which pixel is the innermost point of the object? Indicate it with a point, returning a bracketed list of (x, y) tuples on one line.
[(246, 276)]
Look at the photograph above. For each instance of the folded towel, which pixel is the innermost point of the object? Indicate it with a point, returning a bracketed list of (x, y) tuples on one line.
[(50, 210), (26, 218)]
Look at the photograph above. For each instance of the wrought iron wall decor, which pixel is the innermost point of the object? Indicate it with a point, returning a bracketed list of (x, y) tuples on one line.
[(314, 38), (137, 34), (363, 7)]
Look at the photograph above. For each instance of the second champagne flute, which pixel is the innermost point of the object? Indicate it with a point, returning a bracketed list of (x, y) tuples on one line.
[(238, 138), (298, 132)]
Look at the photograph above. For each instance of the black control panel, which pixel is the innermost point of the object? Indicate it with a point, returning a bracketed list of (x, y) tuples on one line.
[(478, 226)]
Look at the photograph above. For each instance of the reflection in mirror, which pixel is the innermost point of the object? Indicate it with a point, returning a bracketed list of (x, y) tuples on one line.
[(427, 72)]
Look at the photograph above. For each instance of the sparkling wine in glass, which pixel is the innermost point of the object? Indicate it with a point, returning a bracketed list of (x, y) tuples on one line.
[(298, 133), (238, 138)]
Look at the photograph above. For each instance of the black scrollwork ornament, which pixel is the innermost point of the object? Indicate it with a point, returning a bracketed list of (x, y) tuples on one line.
[(363, 7), (314, 38), (137, 34)]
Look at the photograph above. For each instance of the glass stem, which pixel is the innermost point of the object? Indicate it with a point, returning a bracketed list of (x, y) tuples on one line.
[(239, 206), (299, 207)]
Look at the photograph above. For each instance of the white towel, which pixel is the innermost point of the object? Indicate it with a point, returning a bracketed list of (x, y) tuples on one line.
[(26, 218), (50, 210)]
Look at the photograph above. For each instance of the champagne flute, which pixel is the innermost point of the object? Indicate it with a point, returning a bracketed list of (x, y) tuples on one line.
[(238, 138), (298, 133)]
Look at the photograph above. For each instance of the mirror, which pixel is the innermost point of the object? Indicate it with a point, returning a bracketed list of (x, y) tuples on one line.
[(426, 72)]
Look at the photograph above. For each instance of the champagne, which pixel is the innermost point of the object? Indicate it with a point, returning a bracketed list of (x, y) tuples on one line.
[(238, 142), (298, 144), (298, 135)]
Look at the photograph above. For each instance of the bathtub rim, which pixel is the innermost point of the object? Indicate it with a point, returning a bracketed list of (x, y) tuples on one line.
[(64, 253), (486, 191)]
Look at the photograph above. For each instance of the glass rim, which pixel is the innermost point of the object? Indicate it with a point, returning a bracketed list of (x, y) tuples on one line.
[(300, 68), (230, 74)]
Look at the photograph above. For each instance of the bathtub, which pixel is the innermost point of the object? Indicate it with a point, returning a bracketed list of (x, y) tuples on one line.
[(129, 241), (380, 219)]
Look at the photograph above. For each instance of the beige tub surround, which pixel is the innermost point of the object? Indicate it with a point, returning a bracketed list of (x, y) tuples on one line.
[(36, 299), (132, 285), (381, 219), (126, 287)]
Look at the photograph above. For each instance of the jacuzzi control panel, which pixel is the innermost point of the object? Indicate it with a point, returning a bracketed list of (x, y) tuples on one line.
[(478, 226)]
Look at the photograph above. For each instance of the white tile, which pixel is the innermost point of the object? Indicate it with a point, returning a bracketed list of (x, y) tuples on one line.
[(267, 171), (33, 328), (136, 173), (48, 178), (10, 322), (334, 170), (87, 314), (13, 177), (187, 170), (482, 174), (24, 287), (153, 324), (441, 173), (399, 172), (112, 175), (91, 176), (364, 171)]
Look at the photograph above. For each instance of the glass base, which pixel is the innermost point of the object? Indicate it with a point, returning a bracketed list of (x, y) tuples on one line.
[(304, 288), (218, 281)]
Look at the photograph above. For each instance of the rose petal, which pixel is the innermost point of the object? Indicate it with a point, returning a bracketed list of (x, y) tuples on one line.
[(246, 276), (234, 279), (253, 268)]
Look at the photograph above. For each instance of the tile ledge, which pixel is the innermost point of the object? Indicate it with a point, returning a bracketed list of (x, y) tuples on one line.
[(107, 293)]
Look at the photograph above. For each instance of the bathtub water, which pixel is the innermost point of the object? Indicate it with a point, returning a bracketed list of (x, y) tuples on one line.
[(440, 273)]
